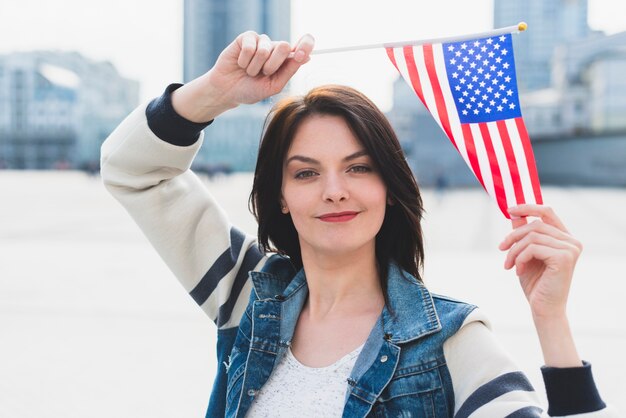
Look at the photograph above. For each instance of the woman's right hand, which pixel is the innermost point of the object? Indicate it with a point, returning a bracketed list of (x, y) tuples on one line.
[(250, 69)]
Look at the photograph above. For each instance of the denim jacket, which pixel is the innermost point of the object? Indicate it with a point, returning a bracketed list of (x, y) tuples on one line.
[(401, 368)]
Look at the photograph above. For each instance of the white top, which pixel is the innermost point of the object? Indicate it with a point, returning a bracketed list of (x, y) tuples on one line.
[(296, 390)]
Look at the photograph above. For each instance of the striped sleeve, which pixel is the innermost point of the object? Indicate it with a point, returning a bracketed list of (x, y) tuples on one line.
[(152, 179), (486, 381)]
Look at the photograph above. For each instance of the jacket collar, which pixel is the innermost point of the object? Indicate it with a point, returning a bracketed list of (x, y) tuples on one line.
[(278, 279), (410, 313)]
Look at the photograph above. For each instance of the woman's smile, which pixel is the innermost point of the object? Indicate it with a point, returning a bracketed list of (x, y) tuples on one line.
[(338, 216)]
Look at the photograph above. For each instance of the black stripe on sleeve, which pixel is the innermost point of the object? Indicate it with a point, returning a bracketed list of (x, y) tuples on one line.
[(526, 412), (495, 388), (571, 390), (250, 260), (169, 125), (224, 263)]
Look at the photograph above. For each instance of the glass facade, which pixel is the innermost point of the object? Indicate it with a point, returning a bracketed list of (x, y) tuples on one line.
[(550, 23), (57, 108), (231, 142), (210, 25)]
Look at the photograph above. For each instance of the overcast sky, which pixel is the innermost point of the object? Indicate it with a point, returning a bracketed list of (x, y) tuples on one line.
[(143, 38)]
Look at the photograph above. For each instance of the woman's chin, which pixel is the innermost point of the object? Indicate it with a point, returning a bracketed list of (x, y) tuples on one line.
[(342, 248)]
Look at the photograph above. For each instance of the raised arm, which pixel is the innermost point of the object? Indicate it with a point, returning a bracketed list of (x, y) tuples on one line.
[(249, 70), (544, 255), (146, 166)]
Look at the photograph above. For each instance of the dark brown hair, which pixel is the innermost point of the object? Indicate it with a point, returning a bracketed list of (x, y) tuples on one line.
[(400, 237)]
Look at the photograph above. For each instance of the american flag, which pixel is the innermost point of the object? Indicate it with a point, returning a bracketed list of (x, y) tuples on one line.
[(470, 89)]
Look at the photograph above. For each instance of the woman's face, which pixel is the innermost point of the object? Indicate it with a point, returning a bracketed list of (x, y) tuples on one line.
[(331, 189)]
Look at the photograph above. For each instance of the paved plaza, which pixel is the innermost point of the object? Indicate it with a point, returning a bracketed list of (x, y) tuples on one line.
[(93, 324)]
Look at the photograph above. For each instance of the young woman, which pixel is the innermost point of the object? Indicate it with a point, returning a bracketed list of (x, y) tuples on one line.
[(327, 315)]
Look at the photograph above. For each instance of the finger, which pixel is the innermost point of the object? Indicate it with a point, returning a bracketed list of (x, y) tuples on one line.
[(537, 226), (546, 213), (302, 53), (534, 238), (247, 42), (303, 48), (530, 253), (551, 257), (518, 221), (263, 52), (280, 52)]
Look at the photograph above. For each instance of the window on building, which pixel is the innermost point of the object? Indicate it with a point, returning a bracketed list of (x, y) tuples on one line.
[(578, 107)]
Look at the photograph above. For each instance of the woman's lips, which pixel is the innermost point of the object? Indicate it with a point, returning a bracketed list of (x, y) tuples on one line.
[(338, 217)]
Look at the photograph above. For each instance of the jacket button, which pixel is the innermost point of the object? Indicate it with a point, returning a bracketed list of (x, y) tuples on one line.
[(383, 359), (279, 298), (251, 392)]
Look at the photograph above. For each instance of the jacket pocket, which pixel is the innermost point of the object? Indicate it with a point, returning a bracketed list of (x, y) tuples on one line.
[(412, 394)]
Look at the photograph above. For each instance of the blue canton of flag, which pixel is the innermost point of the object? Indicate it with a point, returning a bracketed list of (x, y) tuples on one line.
[(481, 74)]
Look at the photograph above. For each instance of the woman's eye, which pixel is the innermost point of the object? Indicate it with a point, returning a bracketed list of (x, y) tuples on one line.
[(305, 174), (360, 169)]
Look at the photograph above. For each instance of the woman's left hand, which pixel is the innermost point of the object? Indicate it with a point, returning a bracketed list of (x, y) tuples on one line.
[(544, 255)]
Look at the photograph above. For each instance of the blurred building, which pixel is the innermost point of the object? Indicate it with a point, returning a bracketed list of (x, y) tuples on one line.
[(587, 94), (210, 25), (231, 142), (550, 23), (56, 109)]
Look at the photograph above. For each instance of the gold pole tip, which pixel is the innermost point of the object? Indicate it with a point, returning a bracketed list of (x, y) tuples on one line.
[(522, 26)]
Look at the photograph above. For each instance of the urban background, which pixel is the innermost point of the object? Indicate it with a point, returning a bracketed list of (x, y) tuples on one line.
[(57, 107), (93, 322)]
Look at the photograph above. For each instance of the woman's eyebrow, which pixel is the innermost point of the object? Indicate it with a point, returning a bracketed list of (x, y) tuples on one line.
[(302, 159), (356, 155), (310, 160)]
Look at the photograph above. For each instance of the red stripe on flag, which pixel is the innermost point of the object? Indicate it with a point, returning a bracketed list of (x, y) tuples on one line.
[(442, 111), (392, 57), (530, 159), (496, 175), (511, 161), (471, 153), (413, 74)]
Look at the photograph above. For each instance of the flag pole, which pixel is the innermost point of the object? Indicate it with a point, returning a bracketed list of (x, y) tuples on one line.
[(520, 27)]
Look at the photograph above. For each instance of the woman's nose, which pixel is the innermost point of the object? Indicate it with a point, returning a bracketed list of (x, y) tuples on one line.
[(335, 189)]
